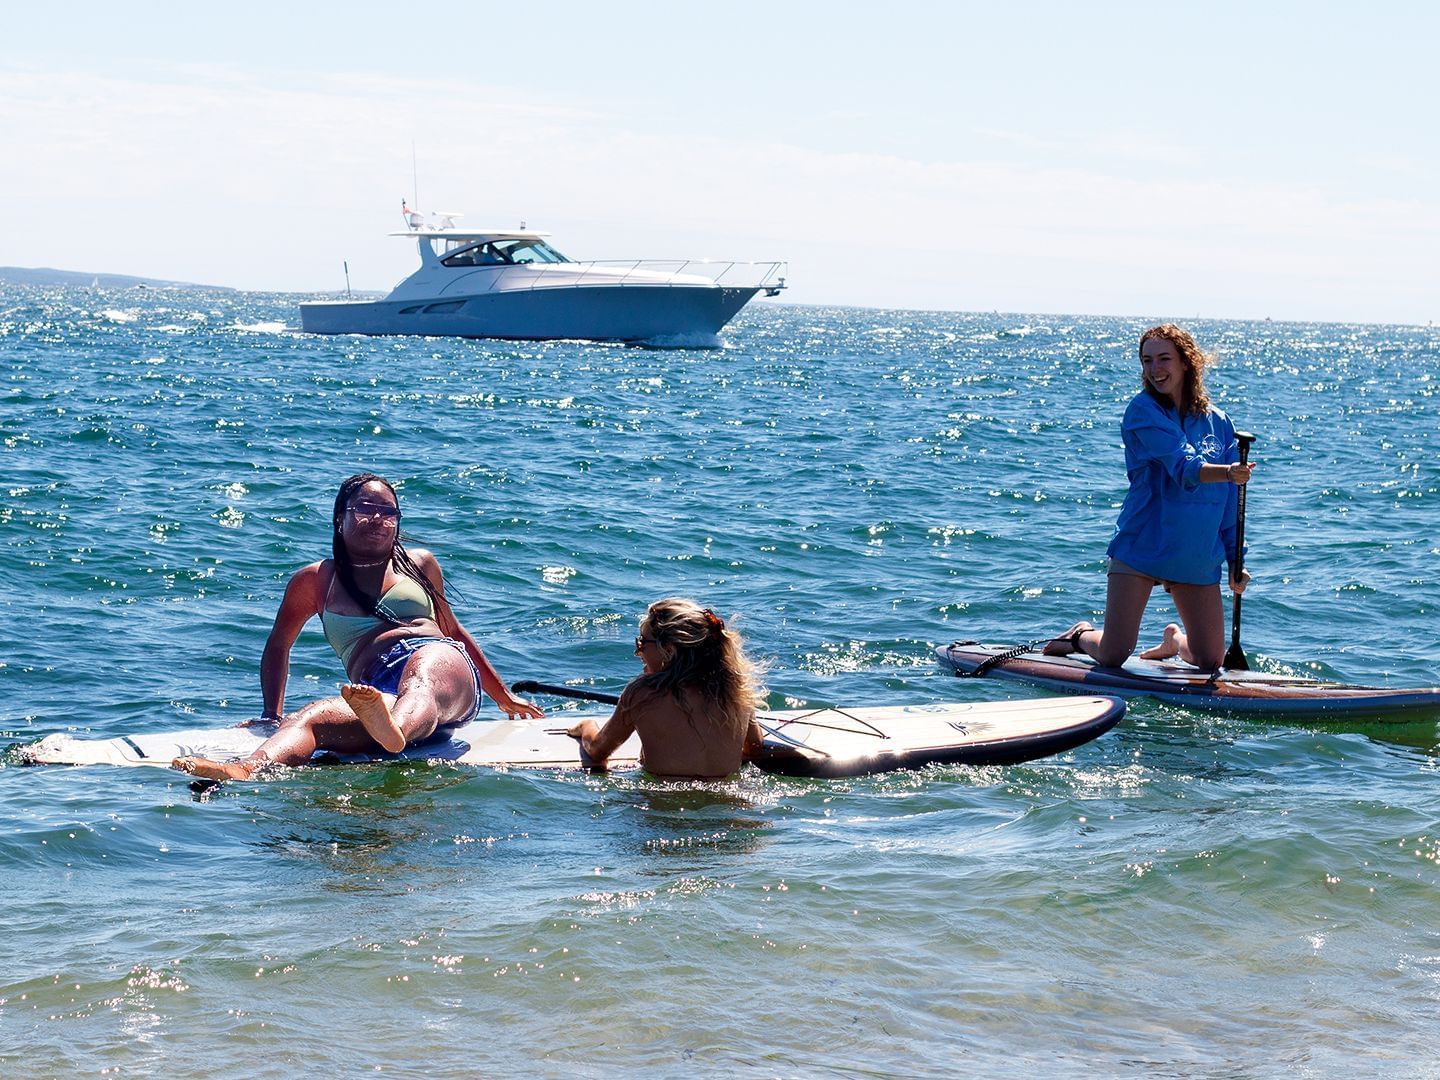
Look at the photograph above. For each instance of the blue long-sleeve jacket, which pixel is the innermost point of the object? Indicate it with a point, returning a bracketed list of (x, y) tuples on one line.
[(1171, 525)]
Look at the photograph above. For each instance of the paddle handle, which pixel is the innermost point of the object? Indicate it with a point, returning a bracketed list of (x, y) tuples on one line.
[(1235, 655), (530, 686), (1244, 438)]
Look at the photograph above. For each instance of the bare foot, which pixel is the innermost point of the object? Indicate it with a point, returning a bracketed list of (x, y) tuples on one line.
[(1068, 642), (214, 770), (1169, 645), (368, 705)]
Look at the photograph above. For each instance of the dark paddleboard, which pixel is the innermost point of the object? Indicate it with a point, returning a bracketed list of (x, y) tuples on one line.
[(816, 742), (1181, 684)]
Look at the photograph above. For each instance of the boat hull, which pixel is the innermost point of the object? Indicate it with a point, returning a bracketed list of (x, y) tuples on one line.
[(592, 312)]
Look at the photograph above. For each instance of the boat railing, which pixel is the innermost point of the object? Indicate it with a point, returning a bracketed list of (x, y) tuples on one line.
[(769, 276)]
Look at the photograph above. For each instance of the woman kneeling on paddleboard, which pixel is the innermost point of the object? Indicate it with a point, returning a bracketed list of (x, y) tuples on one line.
[(1177, 523), (694, 707), (413, 667)]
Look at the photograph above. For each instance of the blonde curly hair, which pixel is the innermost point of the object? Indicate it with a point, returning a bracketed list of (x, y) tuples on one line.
[(700, 652)]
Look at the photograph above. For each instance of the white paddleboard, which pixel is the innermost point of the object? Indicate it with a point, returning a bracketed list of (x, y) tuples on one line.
[(816, 742)]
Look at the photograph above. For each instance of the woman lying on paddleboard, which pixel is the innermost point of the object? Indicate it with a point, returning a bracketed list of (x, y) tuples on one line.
[(694, 707), (413, 667), (1177, 524)]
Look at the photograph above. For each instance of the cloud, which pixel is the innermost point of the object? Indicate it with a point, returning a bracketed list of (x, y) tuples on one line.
[(214, 174)]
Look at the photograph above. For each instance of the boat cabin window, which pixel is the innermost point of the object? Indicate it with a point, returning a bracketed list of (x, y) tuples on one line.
[(505, 253)]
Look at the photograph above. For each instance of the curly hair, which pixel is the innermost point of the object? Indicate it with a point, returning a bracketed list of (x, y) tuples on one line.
[(700, 652), (1196, 401), (399, 557)]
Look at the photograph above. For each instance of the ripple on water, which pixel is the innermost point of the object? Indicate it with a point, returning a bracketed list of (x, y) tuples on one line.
[(856, 486)]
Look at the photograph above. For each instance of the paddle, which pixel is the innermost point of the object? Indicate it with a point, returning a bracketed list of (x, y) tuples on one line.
[(1235, 655), (530, 686)]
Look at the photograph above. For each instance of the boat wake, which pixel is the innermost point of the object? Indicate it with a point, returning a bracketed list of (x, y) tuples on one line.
[(262, 328), (683, 341)]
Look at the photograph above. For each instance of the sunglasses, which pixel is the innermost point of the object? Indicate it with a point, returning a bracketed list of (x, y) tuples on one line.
[(642, 641), (371, 511)]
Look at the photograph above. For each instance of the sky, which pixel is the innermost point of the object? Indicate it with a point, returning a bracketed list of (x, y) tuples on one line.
[(1240, 160)]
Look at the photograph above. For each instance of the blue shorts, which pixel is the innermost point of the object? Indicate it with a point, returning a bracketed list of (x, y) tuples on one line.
[(385, 671)]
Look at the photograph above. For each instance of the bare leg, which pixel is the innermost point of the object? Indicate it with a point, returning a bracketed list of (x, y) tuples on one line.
[(1171, 643), (327, 724), (214, 770), (1125, 598), (1203, 613), (436, 689), (1069, 641)]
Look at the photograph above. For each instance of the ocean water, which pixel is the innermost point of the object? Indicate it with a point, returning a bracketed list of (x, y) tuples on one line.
[(1188, 895)]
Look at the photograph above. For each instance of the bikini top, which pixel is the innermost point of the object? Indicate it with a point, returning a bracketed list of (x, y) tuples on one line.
[(406, 600)]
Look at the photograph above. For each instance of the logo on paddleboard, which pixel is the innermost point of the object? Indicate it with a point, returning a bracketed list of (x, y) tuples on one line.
[(960, 726)]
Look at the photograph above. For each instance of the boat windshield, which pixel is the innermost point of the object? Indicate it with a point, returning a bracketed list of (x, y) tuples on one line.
[(504, 253)]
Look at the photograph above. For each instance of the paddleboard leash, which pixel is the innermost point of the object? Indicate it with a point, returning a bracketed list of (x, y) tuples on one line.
[(983, 668)]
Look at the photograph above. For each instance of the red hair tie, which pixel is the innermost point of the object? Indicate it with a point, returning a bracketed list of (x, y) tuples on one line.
[(714, 620)]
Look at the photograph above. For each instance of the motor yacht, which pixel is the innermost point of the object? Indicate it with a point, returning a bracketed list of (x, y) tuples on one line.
[(512, 283)]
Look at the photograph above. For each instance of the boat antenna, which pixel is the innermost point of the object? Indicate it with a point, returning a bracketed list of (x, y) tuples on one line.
[(414, 174), (346, 263)]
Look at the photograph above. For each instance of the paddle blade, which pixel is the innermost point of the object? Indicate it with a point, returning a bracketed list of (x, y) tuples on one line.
[(1235, 655)]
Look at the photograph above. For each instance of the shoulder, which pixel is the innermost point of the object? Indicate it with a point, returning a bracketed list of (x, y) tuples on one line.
[(423, 558), (1144, 411), (1142, 404), (305, 591), (637, 692), (428, 565), (315, 575), (641, 698)]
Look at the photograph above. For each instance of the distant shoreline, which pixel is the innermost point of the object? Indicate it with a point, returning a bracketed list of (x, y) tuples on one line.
[(22, 275)]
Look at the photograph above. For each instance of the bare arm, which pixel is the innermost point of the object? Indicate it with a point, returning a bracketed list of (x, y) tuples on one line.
[(597, 742), (754, 739), (303, 596), (490, 680)]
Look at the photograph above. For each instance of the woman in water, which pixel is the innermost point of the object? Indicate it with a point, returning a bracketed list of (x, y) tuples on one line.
[(413, 667), (694, 706), (1177, 524)]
